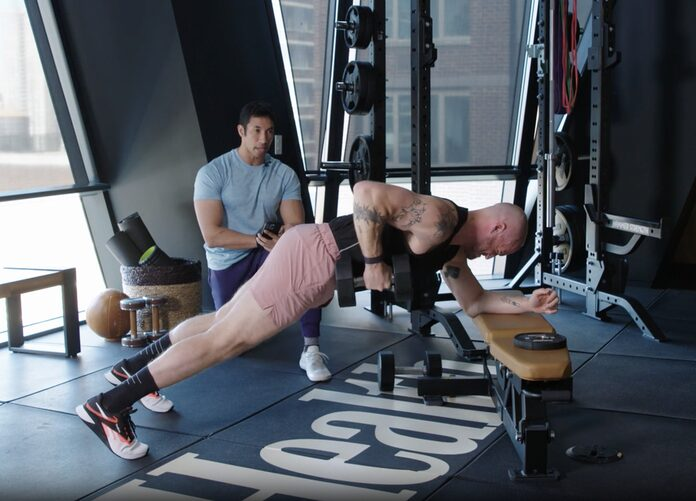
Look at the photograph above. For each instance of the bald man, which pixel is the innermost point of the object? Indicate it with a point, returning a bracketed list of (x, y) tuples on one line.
[(299, 274)]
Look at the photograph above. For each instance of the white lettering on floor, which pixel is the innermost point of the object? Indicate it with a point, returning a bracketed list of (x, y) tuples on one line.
[(399, 421)]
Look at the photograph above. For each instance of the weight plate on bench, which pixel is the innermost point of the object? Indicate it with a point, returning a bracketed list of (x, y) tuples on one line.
[(433, 364), (539, 341), (386, 371), (595, 454)]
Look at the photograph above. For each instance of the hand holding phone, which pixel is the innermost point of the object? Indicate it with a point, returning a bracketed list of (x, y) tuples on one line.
[(273, 228)]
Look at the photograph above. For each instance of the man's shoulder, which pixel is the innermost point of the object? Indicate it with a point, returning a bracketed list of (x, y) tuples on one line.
[(279, 167)]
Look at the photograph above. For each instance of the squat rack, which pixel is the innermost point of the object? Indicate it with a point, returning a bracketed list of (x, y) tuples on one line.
[(606, 264)]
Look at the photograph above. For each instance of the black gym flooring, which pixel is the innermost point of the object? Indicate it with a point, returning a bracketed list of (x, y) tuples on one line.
[(257, 428)]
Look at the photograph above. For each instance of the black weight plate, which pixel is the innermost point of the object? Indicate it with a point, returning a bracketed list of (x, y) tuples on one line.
[(359, 94), (386, 370), (360, 155), (360, 20), (540, 341), (566, 160), (433, 364), (595, 454)]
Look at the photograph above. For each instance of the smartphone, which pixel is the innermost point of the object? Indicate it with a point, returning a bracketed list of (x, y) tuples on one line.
[(271, 228)]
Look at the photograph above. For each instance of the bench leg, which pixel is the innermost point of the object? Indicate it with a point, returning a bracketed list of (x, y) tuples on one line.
[(71, 320), (15, 329)]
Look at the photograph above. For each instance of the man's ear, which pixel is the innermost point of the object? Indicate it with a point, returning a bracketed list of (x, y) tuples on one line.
[(240, 130), (499, 227)]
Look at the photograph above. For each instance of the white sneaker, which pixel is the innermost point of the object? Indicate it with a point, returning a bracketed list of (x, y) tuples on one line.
[(313, 362)]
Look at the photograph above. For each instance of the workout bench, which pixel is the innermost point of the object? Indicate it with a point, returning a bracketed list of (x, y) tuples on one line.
[(526, 380)]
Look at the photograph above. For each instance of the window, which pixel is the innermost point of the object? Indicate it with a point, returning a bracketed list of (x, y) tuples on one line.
[(305, 23), (32, 154), (37, 232)]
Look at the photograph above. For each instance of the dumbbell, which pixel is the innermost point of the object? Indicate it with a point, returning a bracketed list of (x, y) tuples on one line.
[(154, 303), (387, 369), (347, 284), (133, 339)]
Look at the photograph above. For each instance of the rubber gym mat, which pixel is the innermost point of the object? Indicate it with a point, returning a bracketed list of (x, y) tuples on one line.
[(680, 344), (203, 404), (342, 345), (25, 373), (51, 455), (640, 385), (655, 465)]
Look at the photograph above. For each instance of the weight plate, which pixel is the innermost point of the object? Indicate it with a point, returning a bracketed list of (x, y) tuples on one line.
[(361, 25), (569, 237), (360, 157), (359, 88), (539, 341), (595, 454), (433, 364), (386, 371), (565, 161)]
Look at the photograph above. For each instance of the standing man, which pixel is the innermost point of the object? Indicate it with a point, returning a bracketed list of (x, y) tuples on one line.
[(235, 196)]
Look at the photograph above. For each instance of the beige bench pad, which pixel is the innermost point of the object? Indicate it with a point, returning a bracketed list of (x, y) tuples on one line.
[(498, 330)]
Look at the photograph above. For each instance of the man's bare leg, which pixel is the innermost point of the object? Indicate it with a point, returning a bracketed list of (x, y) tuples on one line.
[(237, 327)]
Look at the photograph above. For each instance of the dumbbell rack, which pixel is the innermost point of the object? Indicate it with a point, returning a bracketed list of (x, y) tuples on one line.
[(606, 264)]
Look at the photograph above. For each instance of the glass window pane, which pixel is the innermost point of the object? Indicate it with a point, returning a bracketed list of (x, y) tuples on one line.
[(305, 29), (32, 154), (49, 233), (454, 15), (456, 111)]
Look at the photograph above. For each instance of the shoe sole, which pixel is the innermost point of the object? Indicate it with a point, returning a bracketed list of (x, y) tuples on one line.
[(92, 425)]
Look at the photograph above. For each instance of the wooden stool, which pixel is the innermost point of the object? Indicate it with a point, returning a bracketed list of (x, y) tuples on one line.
[(154, 303), (133, 339)]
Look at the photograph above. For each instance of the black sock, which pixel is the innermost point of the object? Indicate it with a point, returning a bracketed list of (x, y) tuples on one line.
[(147, 354), (130, 391)]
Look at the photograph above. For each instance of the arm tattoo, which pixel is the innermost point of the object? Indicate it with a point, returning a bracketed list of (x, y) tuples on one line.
[(413, 213), (369, 214), (452, 272), (509, 300)]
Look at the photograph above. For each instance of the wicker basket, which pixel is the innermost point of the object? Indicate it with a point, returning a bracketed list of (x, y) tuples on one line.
[(180, 283)]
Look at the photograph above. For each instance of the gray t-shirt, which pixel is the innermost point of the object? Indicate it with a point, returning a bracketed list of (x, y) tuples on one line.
[(250, 195)]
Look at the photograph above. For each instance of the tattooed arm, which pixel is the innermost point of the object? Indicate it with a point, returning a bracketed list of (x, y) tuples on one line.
[(475, 300), (425, 220)]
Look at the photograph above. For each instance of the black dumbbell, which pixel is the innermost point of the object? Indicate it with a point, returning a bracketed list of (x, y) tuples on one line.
[(387, 369), (347, 284)]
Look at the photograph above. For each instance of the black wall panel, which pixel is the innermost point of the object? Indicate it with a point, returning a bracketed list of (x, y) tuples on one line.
[(233, 56), (653, 108), (161, 83)]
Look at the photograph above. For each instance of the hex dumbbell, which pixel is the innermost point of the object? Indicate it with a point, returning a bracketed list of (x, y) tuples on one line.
[(347, 284), (387, 369), (134, 339)]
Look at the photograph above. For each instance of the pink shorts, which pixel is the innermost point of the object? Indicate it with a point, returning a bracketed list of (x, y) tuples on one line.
[(298, 274)]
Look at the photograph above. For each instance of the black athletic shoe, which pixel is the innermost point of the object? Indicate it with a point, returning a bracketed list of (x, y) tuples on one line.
[(117, 431), (154, 401)]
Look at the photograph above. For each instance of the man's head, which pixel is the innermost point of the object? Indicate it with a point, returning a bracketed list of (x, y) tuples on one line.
[(501, 230), (256, 130)]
